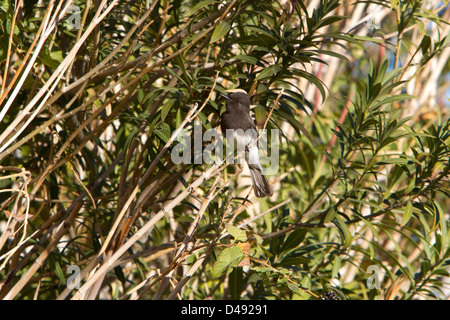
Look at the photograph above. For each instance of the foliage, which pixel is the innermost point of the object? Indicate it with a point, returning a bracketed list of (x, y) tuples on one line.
[(95, 97)]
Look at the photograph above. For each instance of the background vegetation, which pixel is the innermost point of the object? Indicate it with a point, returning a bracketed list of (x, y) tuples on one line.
[(94, 94)]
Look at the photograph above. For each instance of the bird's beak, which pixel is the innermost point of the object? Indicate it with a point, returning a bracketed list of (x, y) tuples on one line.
[(225, 96)]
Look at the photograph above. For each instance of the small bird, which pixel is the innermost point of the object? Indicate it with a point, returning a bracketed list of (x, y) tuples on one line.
[(237, 116)]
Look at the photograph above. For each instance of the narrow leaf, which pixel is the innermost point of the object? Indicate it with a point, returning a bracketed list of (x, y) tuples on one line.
[(344, 231), (235, 281), (267, 72), (220, 31), (249, 59), (408, 213), (200, 5), (166, 108)]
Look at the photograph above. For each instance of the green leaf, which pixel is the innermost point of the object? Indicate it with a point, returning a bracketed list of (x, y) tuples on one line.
[(312, 79), (400, 160), (424, 222), (230, 257), (220, 31), (58, 271), (369, 224), (329, 20), (249, 59), (331, 214), (368, 39), (200, 5), (437, 214), (262, 269), (337, 263), (294, 239), (177, 76), (260, 113), (163, 132), (294, 287), (166, 108), (257, 31), (295, 259), (236, 233), (425, 44), (411, 186), (268, 72), (235, 282), (120, 275), (258, 238), (344, 231), (51, 59), (178, 118), (408, 213)]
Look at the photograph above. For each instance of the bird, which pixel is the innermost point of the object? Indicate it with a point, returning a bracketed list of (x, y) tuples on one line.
[(237, 116)]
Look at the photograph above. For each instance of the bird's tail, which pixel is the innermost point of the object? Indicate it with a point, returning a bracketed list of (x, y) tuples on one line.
[(260, 184)]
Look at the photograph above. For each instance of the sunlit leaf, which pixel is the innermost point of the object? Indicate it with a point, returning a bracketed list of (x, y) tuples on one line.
[(236, 233), (220, 31), (229, 257), (408, 213), (343, 230), (268, 72)]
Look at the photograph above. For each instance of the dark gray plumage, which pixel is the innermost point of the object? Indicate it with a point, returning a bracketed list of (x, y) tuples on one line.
[(237, 116)]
